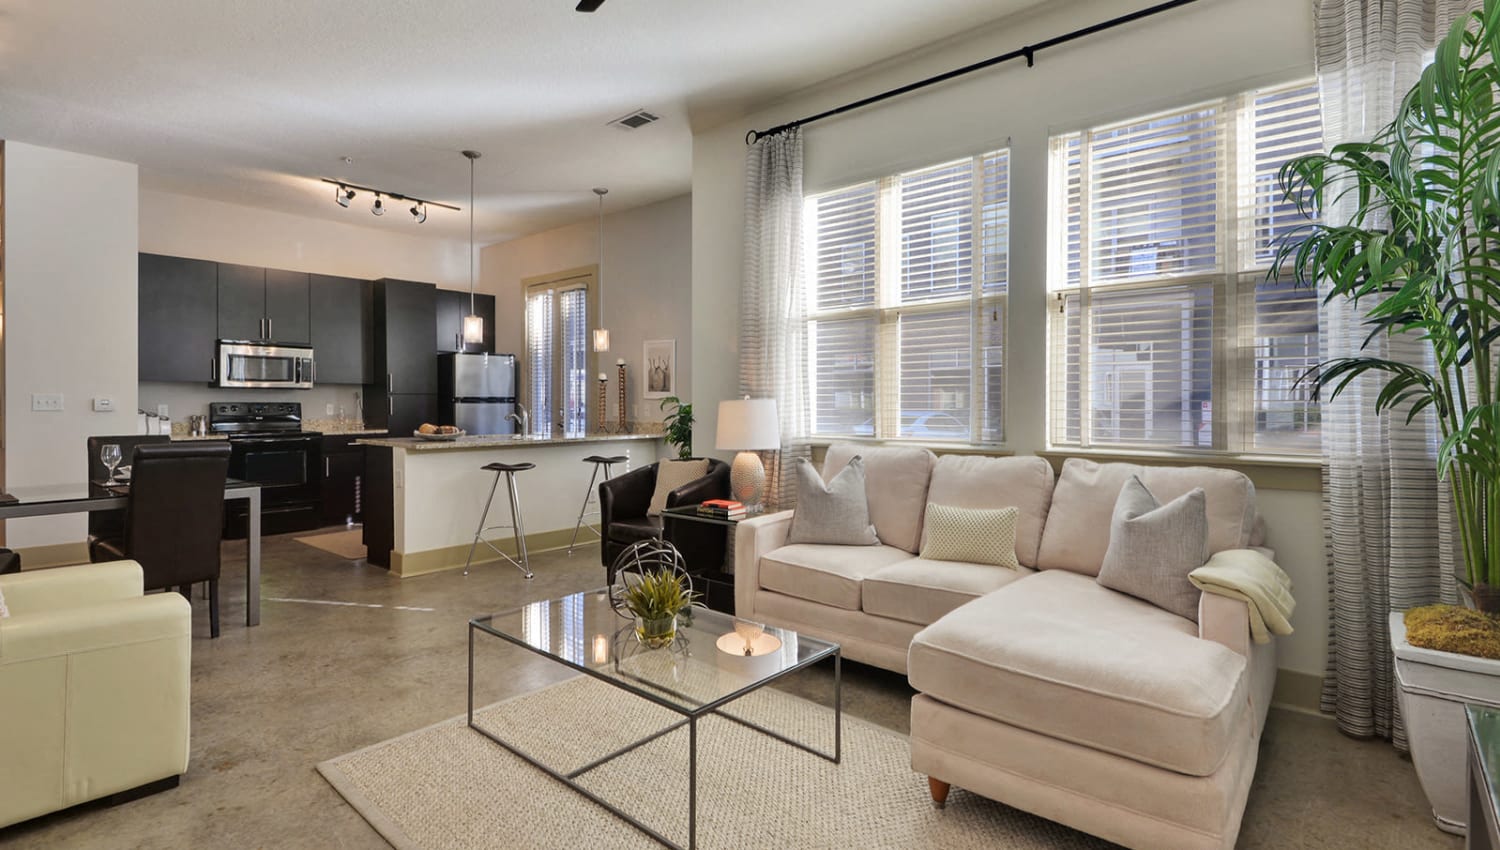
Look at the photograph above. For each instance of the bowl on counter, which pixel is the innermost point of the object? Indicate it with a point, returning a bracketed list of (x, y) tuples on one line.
[(439, 438)]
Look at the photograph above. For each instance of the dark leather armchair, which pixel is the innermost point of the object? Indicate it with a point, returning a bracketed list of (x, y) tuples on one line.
[(174, 519), (624, 499), (110, 525)]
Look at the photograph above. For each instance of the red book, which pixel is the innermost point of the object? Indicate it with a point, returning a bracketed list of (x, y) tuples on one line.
[(724, 503)]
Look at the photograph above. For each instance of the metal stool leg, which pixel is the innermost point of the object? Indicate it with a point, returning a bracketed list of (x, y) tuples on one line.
[(584, 509), (482, 517), (520, 528)]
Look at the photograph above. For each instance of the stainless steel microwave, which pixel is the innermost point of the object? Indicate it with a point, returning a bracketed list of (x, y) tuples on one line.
[(251, 364)]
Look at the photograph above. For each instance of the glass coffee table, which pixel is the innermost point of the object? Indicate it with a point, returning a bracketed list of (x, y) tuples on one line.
[(583, 632)]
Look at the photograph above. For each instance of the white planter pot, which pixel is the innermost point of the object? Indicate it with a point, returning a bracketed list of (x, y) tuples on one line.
[(1433, 688)]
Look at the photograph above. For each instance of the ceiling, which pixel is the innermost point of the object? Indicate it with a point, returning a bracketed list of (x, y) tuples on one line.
[(252, 102)]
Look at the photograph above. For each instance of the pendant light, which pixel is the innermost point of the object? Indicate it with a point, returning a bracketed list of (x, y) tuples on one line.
[(601, 333), (473, 323)]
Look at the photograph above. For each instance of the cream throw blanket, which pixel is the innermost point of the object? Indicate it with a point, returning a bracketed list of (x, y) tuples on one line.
[(1251, 577)]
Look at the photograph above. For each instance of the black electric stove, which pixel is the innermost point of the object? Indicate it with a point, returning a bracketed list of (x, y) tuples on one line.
[(268, 446)]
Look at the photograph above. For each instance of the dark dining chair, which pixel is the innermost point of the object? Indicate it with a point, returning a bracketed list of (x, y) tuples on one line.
[(110, 525), (174, 518), (625, 499)]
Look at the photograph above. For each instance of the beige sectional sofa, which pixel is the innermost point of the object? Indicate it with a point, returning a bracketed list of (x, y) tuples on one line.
[(1039, 687)]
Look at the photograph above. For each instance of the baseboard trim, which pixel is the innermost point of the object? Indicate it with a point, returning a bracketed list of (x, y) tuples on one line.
[(54, 555), (408, 564), (1297, 691)]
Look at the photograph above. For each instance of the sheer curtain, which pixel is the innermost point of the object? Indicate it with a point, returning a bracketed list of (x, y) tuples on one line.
[(773, 301), (1387, 534)]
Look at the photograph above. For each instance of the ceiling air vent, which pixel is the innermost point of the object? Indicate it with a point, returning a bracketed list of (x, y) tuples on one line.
[(635, 120)]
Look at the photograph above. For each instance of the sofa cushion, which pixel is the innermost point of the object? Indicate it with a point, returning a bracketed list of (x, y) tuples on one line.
[(1058, 654), (824, 573), (973, 535), (1083, 502), (836, 511), (896, 481), (1153, 547), (1024, 483), (920, 590)]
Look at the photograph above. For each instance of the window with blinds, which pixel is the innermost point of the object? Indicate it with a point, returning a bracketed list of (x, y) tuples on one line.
[(557, 356), (1164, 331), (906, 304)]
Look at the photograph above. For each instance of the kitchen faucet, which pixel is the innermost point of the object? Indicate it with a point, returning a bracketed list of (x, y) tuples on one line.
[(523, 419)]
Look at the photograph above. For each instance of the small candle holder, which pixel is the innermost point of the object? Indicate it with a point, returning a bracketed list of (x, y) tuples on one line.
[(620, 423), (603, 400)]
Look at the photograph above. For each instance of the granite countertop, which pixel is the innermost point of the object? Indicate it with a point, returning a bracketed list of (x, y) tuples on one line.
[(193, 438), (498, 441)]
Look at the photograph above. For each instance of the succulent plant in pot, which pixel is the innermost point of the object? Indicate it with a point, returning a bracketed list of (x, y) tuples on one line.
[(655, 598)]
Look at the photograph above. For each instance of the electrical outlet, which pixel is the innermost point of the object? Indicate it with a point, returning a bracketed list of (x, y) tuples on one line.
[(161, 410), (50, 402), (104, 404), (328, 409)]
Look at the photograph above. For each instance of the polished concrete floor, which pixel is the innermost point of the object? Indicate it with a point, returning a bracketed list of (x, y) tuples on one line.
[(315, 680)]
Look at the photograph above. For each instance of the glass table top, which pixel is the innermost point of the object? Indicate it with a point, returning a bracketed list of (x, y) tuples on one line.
[(76, 491), (692, 675), (1484, 731)]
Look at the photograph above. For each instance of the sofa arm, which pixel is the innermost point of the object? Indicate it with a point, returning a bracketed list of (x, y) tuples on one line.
[(79, 629), (1225, 621), (71, 587), (753, 540)]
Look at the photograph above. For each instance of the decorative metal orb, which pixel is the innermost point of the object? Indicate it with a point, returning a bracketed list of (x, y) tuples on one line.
[(651, 555)]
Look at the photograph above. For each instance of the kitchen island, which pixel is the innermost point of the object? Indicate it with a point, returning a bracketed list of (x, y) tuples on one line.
[(422, 499)]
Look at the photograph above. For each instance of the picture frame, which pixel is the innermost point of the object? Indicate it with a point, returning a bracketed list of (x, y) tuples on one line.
[(659, 368)]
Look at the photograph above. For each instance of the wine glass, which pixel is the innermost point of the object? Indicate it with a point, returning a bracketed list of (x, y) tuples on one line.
[(109, 455)]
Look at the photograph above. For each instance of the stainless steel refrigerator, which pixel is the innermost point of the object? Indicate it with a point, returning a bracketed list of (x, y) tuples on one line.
[(477, 391)]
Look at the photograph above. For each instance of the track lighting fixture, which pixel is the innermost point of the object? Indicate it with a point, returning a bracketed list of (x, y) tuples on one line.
[(344, 193)]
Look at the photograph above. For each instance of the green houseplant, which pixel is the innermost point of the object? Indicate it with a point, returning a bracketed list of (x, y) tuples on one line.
[(1420, 254), (679, 425), (655, 599)]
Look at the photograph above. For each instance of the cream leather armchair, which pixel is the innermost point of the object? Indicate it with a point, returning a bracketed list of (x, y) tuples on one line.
[(94, 682)]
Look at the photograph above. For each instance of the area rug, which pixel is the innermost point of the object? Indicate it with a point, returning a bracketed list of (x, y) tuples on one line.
[(447, 786), (348, 545)]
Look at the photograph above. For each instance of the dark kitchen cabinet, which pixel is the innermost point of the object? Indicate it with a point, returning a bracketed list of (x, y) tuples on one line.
[(403, 394), (452, 307), (343, 479), (407, 412), (177, 318), (263, 304), (342, 333)]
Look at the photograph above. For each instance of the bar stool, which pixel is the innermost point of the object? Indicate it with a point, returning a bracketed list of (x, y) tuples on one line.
[(508, 470), (590, 496)]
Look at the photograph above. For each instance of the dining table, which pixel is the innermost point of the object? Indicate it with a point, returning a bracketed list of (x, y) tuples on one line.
[(85, 496)]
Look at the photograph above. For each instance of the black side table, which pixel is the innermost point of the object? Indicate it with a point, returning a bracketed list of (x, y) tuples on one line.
[(708, 563)]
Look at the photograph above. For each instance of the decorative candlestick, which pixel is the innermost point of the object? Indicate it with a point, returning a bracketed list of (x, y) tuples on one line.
[(603, 400), (621, 365)]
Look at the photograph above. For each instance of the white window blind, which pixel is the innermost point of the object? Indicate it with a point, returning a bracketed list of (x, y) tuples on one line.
[(1163, 332), (557, 353), (906, 303)]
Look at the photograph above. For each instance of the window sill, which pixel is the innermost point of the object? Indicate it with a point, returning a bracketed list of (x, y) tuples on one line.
[(821, 444), (1268, 472)]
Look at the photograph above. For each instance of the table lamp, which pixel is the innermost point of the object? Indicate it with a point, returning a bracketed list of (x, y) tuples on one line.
[(748, 425)]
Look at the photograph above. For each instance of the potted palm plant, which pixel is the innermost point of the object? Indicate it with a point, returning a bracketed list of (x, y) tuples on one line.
[(678, 425), (1419, 254)]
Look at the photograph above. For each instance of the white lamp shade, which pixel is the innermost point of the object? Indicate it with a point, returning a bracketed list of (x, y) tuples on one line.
[(473, 329), (748, 424)]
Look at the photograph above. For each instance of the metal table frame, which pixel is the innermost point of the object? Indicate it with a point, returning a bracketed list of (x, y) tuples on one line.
[(234, 491), (690, 720)]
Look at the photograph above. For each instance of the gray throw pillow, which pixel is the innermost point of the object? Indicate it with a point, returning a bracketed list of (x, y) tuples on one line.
[(1153, 547), (837, 512)]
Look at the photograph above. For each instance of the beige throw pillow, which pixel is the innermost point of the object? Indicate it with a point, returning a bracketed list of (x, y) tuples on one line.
[(837, 512), (671, 474), (1153, 547), (974, 535)]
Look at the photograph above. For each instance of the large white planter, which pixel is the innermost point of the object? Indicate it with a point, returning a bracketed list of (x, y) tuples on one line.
[(1434, 687)]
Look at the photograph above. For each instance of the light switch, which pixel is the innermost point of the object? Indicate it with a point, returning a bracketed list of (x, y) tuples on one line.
[(50, 402), (104, 404)]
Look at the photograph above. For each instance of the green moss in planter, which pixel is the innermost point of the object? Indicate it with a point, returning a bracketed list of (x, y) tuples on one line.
[(1453, 628)]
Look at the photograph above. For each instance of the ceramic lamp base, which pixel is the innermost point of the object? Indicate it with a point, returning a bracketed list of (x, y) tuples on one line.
[(747, 479)]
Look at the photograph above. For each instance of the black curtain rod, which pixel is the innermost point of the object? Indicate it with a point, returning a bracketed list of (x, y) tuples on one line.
[(1028, 53), (395, 196)]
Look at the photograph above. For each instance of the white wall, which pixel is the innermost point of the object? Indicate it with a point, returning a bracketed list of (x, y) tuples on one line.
[(70, 318), (647, 286), (1201, 50), (187, 226)]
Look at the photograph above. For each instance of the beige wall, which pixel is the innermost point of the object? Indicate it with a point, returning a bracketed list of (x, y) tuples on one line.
[(70, 318), (647, 286), (1198, 51)]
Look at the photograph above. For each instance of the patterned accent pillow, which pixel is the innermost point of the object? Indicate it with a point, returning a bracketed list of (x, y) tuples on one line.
[(1153, 547), (974, 535)]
